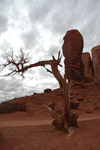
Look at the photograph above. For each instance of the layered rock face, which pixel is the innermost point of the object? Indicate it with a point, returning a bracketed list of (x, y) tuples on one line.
[(89, 74), (96, 61), (72, 50)]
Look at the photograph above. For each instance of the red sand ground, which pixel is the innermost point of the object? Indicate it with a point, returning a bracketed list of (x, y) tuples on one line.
[(32, 130)]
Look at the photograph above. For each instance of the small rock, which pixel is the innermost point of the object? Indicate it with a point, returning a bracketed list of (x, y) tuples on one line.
[(58, 94), (39, 103), (47, 91), (80, 99), (73, 97), (97, 108), (42, 99), (35, 93), (34, 96), (74, 93)]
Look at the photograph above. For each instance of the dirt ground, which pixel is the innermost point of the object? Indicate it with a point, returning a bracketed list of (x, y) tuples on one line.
[(28, 133), (33, 130)]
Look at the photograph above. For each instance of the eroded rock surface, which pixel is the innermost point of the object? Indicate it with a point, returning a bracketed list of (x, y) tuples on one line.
[(88, 66), (72, 50), (47, 91), (96, 61)]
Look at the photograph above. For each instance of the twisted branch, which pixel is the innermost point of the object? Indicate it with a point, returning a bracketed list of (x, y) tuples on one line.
[(53, 114), (18, 65)]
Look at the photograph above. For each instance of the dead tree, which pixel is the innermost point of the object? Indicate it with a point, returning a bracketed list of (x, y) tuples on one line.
[(18, 65)]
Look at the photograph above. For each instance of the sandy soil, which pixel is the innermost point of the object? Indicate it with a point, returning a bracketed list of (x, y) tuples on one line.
[(32, 133), (9, 120)]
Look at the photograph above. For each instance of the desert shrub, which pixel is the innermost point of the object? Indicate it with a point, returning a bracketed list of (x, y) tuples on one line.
[(6, 107), (21, 106), (11, 106)]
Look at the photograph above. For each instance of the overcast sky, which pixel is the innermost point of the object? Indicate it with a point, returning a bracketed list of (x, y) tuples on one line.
[(38, 26)]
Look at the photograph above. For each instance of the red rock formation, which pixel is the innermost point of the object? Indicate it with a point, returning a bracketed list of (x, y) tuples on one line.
[(47, 90), (72, 50), (88, 66), (96, 61)]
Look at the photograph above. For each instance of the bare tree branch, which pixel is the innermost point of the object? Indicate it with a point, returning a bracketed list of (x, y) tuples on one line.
[(48, 70), (83, 84), (53, 114), (19, 63)]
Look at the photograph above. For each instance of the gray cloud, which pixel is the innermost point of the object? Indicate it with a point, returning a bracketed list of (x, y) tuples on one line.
[(30, 38), (40, 26), (3, 23), (3, 16)]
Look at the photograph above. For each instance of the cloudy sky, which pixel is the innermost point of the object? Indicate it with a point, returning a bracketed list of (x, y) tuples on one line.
[(38, 26)]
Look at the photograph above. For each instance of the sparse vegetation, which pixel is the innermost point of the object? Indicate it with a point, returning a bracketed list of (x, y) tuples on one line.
[(92, 101), (11, 106), (85, 91), (42, 99), (92, 93), (87, 98)]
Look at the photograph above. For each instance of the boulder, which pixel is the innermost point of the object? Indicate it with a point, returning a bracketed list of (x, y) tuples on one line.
[(96, 61), (80, 99), (72, 50), (89, 74), (74, 104), (52, 105), (39, 103), (47, 90)]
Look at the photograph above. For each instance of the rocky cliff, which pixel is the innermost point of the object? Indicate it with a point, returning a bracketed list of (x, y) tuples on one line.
[(96, 61)]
